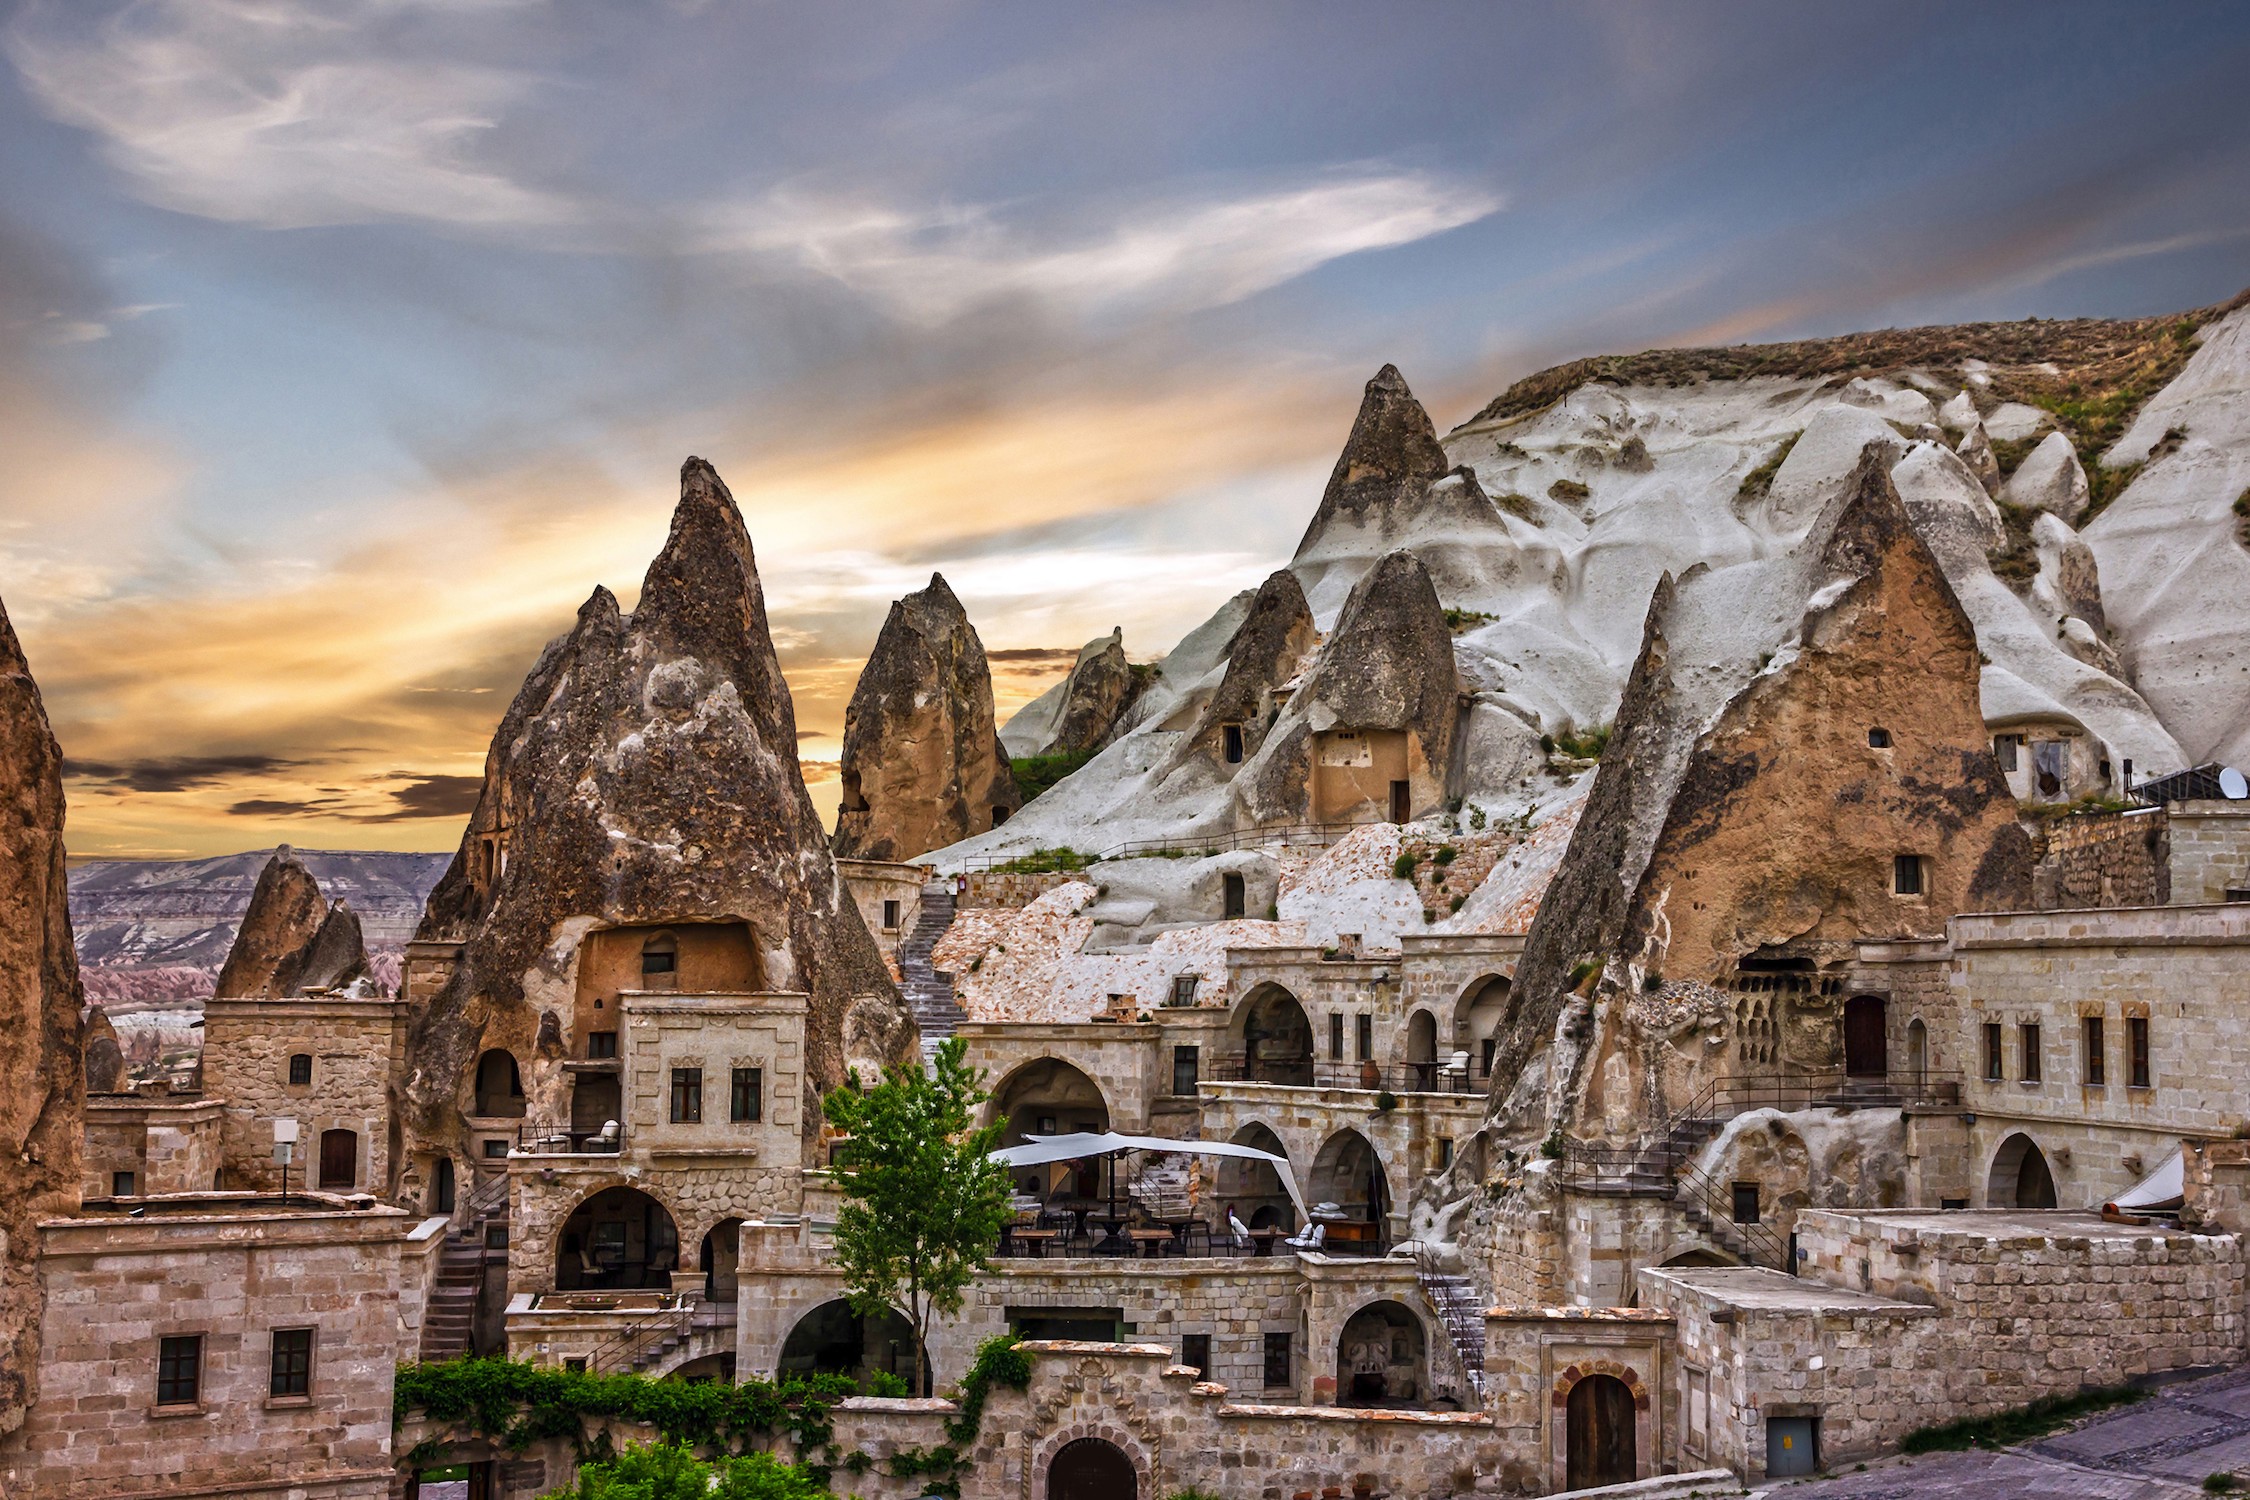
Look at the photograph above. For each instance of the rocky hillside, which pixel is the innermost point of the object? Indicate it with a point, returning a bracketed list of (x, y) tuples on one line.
[(153, 933), (2080, 482)]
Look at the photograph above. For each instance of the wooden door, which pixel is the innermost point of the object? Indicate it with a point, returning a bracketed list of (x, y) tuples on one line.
[(1599, 1436), (339, 1159), (1402, 802), (1865, 1037), (1090, 1469)]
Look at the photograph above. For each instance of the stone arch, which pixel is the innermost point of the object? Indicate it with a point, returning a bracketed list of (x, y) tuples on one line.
[(1419, 1042), (1092, 1468), (1917, 1051), (1275, 1033), (1612, 1396), (1479, 1013), (2020, 1176), (496, 1085), (831, 1338), (720, 1255), (1254, 1188), (622, 1236), (1348, 1171), (1383, 1356), (1050, 1096), (1099, 1430)]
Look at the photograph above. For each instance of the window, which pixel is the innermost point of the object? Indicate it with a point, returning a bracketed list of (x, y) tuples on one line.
[(601, 1044), (292, 1362), (1277, 1360), (1745, 1203), (1994, 1066), (2030, 1037), (1445, 1153), (1195, 1353), (2097, 1071), (2136, 1052), (687, 1096), (121, 1184), (1230, 735), (300, 1069), (1187, 1066), (2005, 746), (890, 916), (1906, 875), (1231, 895), (1490, 1050), (1878, 739), (179, 1369), (661, 956), (1336, 1037), (495, 1149), (574, 1362), (746, 1102), (1952, 1205), (999, 816), (1366, 1036), (1183, 988)]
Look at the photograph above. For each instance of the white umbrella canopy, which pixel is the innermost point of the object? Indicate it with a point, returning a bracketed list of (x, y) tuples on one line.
[(1040, 1149)]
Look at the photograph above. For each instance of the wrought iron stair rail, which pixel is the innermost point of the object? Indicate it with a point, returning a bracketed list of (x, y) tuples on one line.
[(640, 1340), (1459, 1311)]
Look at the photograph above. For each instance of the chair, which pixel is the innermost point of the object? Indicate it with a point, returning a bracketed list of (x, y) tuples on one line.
[(1312, 1239)]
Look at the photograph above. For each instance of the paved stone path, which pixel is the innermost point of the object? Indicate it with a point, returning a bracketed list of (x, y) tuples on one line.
[(2158, 1449)]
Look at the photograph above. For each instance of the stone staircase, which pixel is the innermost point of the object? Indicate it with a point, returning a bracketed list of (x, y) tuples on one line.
[(929, 991), (451, 1314), (1460, 1311)]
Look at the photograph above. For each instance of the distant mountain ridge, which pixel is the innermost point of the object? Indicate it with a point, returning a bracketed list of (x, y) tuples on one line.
[(153, 933)]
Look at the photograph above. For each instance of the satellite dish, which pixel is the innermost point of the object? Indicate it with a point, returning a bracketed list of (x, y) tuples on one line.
[(2231, 782)]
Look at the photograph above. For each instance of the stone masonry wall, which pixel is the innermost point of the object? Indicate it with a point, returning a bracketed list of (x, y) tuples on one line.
[(1009, 890), (354, 1045), (169, 1145), (2102, 859), (2210, 850)]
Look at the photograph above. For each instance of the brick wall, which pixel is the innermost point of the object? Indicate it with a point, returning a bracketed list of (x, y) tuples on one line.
[(2210, 850), (2101, 859)]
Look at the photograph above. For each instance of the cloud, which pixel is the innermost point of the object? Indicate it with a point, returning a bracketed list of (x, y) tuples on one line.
[(1063, 657), (283, 116), (433, 797), (929, 265), (176, 773)]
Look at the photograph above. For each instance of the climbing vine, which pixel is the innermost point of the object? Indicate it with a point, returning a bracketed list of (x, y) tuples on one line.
[(1000, 1361)]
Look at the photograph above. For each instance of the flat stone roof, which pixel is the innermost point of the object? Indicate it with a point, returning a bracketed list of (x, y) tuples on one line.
[(1756, 1289), (2005, 1223)]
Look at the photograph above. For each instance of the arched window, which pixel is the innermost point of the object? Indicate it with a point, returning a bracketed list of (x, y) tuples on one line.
[(499, 1085), (660, 962)]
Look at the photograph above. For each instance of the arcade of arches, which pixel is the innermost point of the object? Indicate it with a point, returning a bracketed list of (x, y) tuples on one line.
[(618, 1239)]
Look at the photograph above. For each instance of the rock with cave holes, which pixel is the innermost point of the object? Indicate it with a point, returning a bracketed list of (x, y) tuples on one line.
[(923, 766), (644, 779), (42, 1072), (292, 941), (1266, 651)]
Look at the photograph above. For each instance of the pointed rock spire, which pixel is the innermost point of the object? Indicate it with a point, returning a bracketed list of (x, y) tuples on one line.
[(42, 1068), (1101, 687), (284, 917), (922, 766), (1266, 650), (1388, 461)]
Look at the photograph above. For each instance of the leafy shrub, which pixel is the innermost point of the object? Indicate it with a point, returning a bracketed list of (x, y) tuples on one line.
[(1403, 867), (1583, 744), (1035, 773), (2017, 1425), (1046, 862), (518, 1403), (671, 1471), (1759, 481)]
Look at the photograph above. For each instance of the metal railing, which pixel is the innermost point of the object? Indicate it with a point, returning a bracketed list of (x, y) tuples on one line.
[(1353, 1239), (1321, 834), (551, 1138), (1309, 1072), (1459, 1311), (490, 1200), (636, 1343)]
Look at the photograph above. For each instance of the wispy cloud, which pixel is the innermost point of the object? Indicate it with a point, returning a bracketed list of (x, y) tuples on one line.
[(929, 265), (282, 115)]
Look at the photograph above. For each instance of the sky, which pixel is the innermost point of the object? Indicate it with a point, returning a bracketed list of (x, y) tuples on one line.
[(346, 346)]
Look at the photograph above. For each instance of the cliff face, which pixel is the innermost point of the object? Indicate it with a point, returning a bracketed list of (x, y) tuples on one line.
[(42, 1072), (646, 773), (1757, 810), (922, 765)]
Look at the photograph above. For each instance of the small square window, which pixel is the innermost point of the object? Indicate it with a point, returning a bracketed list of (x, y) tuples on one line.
[(1906, 875), (687, 1096), (1878, 739), (1184, 987), (1195, 1353), (1277, 1361), (292, 1362), (1745, 1203), (121, 1184), (601, 1044), (495, 1149), (300, 1069), (179, 1369), (890, 916), (747, 1105)]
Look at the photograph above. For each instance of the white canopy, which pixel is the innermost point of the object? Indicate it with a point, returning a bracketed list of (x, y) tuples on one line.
[(2165, 1188), (1039, 1149)]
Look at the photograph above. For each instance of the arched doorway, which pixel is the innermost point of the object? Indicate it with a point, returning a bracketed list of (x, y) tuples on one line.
[(1382, 1358), (1866, 1036), (1598, 1439), (1048, 1096), (834, 1340), (499, 1085), (1917, 1051), (1253, 1189), (722, 1248), (1421, 1050), (1091, 1469), (1477, 1018), (1348, 1174), (619, 1239), (1277, 1039), (2020, 1176), (339, 1160), (441, 1186)]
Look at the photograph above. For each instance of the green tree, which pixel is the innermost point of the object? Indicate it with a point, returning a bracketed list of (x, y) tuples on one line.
[(923, 1200), (671, 1471)]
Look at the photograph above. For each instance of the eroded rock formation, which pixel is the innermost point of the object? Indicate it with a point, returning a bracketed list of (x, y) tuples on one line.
[(923, 766), (292, 941), (106, 1072), (1391, 457), (646, 773), (1760, 810), (1267, 649), (42, 1072)]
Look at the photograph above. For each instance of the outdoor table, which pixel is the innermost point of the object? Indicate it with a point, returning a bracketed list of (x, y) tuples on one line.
[(1149, 1240), (1037, 1239), (1112, 1241), (1261, 1241)]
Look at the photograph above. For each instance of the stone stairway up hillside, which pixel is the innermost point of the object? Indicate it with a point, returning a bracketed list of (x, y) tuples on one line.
[(451, 1313), (1461, 1312), (929, 991)]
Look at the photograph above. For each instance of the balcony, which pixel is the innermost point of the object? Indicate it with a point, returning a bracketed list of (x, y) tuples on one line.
[(1373, 1077), (552, 1138)]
